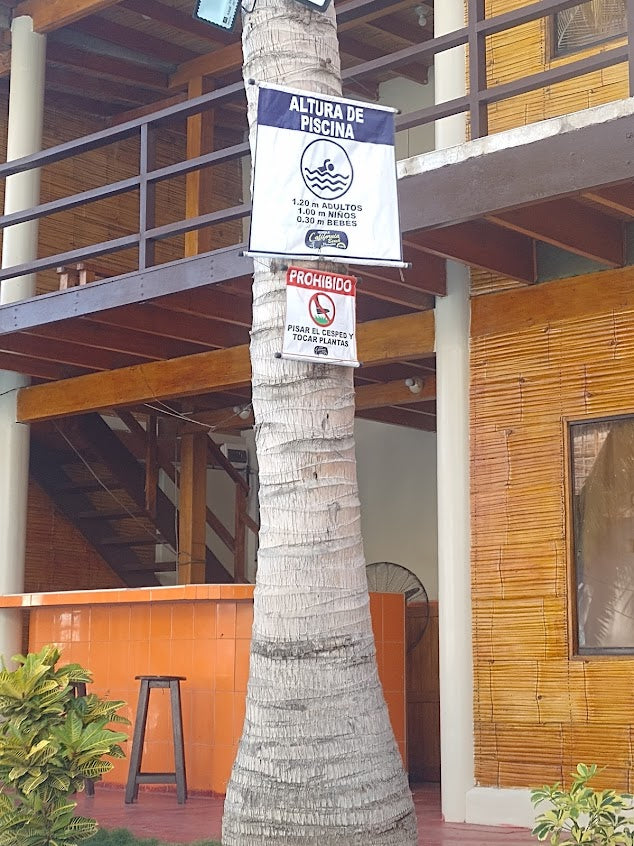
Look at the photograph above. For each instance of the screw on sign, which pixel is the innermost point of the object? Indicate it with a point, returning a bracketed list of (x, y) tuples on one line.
[(321, 309)]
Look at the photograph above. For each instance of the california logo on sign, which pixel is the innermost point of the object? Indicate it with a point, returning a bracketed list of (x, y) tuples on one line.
[(324, 182)]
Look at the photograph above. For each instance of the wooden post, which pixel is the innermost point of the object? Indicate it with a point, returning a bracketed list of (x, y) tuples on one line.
[(192, 509), (239, 550), (200, 139)]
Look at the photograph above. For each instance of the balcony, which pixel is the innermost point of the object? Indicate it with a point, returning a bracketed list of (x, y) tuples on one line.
[(154, 213)]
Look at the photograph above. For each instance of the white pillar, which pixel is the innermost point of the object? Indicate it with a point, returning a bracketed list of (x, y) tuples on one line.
[(454, 548), (26, 104)]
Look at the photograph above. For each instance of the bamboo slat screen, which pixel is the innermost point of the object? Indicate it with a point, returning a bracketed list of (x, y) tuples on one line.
[(57, 556), (540, 356), (526, 50), (116, 216)]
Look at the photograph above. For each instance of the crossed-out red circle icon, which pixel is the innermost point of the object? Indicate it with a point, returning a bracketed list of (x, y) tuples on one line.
[(321, 308)]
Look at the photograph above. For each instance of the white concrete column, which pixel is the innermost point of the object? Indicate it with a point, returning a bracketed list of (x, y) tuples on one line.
[(26, 104), (454, 548)]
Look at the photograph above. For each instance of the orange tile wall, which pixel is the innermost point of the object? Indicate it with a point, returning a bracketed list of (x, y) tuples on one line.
[(207, 640)]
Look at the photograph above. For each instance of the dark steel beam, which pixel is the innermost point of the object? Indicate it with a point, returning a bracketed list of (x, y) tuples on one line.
[(545, 169), (219, 266)]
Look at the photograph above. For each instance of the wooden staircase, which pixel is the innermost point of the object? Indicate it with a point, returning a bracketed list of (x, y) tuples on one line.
[(109, 491)]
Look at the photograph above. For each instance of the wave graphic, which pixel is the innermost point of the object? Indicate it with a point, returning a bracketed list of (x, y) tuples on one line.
[(325, 181)]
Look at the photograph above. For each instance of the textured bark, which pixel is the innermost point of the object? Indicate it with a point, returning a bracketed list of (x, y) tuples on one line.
[(317, 762)]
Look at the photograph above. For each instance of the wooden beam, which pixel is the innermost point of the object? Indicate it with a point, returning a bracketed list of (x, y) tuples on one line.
[(351, 15), (395, 393), (211, 64), (484, 245), (161, 322), (618, 198), (148, 108), (192, 507), (135, 40), (111, 66), (49, 15), (378, 395), (5, 63), (91, 334), (401, 417), (380, 341), (570, 226), (199, 183), (558, 301), (69, 81)]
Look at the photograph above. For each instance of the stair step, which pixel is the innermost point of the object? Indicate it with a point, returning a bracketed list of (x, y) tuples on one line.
[(88, 487), (110, 514), (155, 567), (140, 540)]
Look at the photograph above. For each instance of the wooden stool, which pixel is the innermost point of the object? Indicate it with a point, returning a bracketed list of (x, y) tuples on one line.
[(79, 689), (135, 776)]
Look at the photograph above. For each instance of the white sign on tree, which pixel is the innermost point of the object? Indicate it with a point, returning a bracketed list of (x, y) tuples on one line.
[(324, 183), (320, 317)]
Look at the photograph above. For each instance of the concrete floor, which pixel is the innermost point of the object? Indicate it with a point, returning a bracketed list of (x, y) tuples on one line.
[(158, 814)]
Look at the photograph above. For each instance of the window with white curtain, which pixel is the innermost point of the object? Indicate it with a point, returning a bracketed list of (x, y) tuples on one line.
[(602, 493), (587, 24)]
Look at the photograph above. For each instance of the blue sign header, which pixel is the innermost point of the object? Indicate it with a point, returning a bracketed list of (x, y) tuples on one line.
[(325, 117)]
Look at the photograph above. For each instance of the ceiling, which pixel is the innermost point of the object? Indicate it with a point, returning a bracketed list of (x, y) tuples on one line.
[(126, 56)]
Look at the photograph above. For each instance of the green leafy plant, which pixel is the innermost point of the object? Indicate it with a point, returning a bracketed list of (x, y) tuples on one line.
[(583, 814), (50, 742), (123, 837)]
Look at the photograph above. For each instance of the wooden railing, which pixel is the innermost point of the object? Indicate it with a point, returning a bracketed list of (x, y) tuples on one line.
[(475, 103)]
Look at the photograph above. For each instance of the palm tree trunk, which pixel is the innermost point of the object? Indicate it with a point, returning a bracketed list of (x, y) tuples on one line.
[(317, 762)]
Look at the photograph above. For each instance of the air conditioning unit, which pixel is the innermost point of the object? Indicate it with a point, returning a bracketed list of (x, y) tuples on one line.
[(238, 456)]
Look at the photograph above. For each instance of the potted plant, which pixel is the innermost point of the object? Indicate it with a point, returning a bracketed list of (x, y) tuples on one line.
[(50, 742), (583, 814)]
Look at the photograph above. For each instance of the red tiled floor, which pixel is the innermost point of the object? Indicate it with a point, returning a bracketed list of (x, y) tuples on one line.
[(159, 815)]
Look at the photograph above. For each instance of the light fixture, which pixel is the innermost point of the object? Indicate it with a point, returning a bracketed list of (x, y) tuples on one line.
[(415, 385), (219, 13), (242, 411), (424, 13)]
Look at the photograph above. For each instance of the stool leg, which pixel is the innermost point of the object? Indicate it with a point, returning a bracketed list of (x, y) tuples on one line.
[(179, 750), (132, 787)]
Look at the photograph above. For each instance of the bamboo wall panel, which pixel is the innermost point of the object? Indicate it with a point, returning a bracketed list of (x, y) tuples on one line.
[(57, 556), (118, 216), (538, 356)]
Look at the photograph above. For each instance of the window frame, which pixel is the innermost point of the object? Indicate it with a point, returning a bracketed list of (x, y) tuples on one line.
[(555, 53), (575, 651)]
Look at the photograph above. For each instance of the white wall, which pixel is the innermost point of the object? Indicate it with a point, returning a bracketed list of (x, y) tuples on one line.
[(409, 96), (396, 467)]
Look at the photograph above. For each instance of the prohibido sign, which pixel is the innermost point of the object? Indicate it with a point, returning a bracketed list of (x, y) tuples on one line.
[(320, 317)]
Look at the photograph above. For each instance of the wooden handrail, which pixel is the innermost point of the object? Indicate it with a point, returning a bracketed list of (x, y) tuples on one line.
[(476, 103)]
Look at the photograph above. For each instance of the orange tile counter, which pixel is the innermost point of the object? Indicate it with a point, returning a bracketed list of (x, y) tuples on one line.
[(198, 631)]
